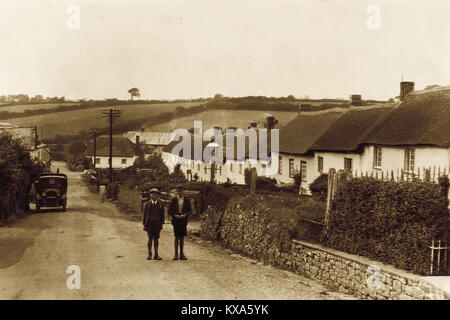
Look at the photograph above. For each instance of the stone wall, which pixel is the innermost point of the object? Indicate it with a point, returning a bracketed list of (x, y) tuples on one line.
[(244, 228)]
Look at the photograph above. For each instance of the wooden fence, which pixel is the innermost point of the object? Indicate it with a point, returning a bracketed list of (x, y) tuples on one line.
[(430, 174)]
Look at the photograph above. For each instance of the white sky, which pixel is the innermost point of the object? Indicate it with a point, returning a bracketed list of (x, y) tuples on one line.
[(196, 48)]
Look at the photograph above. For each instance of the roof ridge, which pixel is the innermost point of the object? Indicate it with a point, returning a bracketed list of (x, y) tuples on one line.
[(429, 90), (313, 113)]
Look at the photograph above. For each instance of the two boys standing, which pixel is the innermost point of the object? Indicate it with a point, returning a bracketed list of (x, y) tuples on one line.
[(179, 211)]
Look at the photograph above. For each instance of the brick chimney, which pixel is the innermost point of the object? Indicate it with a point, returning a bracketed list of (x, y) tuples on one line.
[(405, 88), (138, 146), (355, 100)]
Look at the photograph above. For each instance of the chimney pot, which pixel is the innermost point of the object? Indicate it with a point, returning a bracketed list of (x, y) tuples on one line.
[(405, 88)]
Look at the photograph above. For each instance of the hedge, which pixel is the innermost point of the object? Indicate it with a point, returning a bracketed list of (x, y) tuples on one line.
[(392, 222), (17, 172)]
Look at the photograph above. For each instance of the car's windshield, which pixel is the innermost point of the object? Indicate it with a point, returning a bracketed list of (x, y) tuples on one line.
[(57, 183)]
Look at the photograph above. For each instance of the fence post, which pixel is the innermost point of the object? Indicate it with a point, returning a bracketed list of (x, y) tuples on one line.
[(432, 257), (439, 256), (330, 195), (253, 182)]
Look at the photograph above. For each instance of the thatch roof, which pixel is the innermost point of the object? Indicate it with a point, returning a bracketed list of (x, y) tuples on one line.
[(423, 118), (122, 147), (348, 132), (299, 134)]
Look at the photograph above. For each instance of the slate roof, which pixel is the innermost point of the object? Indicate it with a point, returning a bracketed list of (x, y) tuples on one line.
[(151, 138), (170, 147)]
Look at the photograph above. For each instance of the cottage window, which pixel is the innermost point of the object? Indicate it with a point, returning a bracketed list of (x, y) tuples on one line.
[(291, 168), (240, 168), (198, 167), (320, 164), (231, 167), (377, 157), (280, 165), (410, 159), (124, 161), (347, 163), (303, 170), (97, 160), (205, 169)]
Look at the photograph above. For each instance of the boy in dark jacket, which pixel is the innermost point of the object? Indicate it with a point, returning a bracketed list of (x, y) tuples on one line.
[(153, 222), (179, 210)]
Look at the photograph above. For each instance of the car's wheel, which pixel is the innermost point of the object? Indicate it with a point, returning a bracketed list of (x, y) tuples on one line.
[(64, 208), (38, 207)]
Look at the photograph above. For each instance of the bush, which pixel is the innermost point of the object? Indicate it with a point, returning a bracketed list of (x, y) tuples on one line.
[(219, 196), (266, 184), (392, 222), (112, 191), (17, 173), (319, 187), (297, 179)]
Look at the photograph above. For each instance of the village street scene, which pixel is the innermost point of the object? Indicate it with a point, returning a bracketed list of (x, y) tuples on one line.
[(205, 164)]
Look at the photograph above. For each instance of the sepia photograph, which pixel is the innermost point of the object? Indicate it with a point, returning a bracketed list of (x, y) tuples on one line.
[(223, 156)]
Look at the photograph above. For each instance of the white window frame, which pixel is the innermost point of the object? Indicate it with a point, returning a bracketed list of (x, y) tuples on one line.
[(320, 164), (291, 167), (410, 159), (303, 169), (377, 157), (348, 160)]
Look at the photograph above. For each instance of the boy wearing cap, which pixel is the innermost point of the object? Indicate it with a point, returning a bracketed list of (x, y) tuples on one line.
[(179, 210), (153, 222)]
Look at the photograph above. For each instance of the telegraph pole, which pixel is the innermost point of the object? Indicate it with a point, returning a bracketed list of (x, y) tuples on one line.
[(111, 113), (94, 133), (95, 147)]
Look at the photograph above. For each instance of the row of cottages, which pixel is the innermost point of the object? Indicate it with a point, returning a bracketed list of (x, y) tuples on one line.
[(123, 150), (29, 138), (385, 139), (230, 169)]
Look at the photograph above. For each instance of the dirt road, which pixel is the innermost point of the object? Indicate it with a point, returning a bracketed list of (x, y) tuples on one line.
[(110, 252)]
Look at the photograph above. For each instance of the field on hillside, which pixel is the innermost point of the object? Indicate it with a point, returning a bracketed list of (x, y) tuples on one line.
[(224, 119), (23, 107), (71, 122)]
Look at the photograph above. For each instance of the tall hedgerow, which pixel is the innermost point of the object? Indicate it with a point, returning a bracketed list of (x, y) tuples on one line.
[(392, 222)]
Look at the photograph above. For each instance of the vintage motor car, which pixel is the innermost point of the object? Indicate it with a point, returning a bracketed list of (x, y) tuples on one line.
[(50, 190)]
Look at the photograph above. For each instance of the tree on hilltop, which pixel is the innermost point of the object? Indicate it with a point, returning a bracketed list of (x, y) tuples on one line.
[(134, 92)]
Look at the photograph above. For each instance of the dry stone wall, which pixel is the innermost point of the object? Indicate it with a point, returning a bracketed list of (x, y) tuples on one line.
[(243, 229)]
